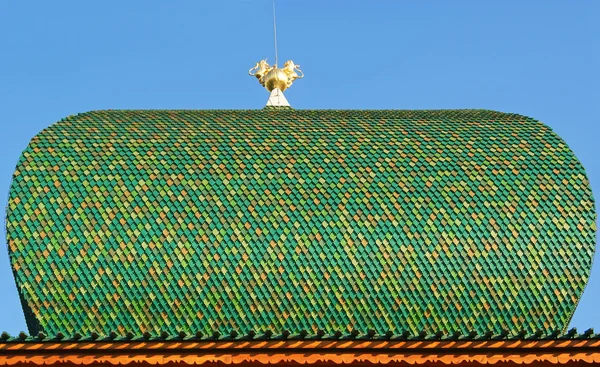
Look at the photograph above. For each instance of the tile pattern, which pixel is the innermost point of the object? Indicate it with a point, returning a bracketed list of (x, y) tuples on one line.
[(204, 221)]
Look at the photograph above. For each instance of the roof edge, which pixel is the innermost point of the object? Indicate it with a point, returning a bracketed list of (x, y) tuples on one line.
[(308, 352)]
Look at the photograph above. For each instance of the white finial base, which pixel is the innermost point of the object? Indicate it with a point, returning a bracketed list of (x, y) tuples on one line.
[(277, 99)]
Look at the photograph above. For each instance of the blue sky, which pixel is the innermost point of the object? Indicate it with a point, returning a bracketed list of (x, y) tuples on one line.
[(539, 58)]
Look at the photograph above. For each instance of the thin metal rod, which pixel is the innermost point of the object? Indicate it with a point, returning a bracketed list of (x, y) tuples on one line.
[(275, 34)]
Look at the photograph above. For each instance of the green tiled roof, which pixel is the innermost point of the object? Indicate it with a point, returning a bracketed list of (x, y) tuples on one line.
[(220, 221)]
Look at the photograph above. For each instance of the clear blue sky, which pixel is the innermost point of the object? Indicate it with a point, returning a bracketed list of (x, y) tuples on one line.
[(537, 58)]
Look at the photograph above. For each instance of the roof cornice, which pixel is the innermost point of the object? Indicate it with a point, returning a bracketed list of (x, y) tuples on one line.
[(442, 352)]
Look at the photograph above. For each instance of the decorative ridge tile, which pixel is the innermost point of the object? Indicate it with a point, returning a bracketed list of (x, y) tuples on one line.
[(285, 335)]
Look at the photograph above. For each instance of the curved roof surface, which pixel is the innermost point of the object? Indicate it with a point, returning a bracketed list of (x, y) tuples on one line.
[(204, 221)]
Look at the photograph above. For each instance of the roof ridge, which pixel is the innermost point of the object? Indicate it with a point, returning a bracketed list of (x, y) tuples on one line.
[(303, 335)]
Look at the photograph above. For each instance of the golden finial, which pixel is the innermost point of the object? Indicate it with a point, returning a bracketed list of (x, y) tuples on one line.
[(272, 77)]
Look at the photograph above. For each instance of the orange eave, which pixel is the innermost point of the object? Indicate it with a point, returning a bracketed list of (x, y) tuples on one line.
[(289, 352)]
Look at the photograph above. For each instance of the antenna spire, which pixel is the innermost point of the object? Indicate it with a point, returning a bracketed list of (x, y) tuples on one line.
[(275, 34)]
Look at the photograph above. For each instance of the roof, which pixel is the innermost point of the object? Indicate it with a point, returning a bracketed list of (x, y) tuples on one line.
[(355, 352), (213, 221)]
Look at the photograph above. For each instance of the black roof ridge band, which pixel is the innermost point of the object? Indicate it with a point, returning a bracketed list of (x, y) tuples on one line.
[(285, 335)]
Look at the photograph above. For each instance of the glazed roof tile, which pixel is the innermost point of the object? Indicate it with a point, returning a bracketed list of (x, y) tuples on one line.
[(299, 220)]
